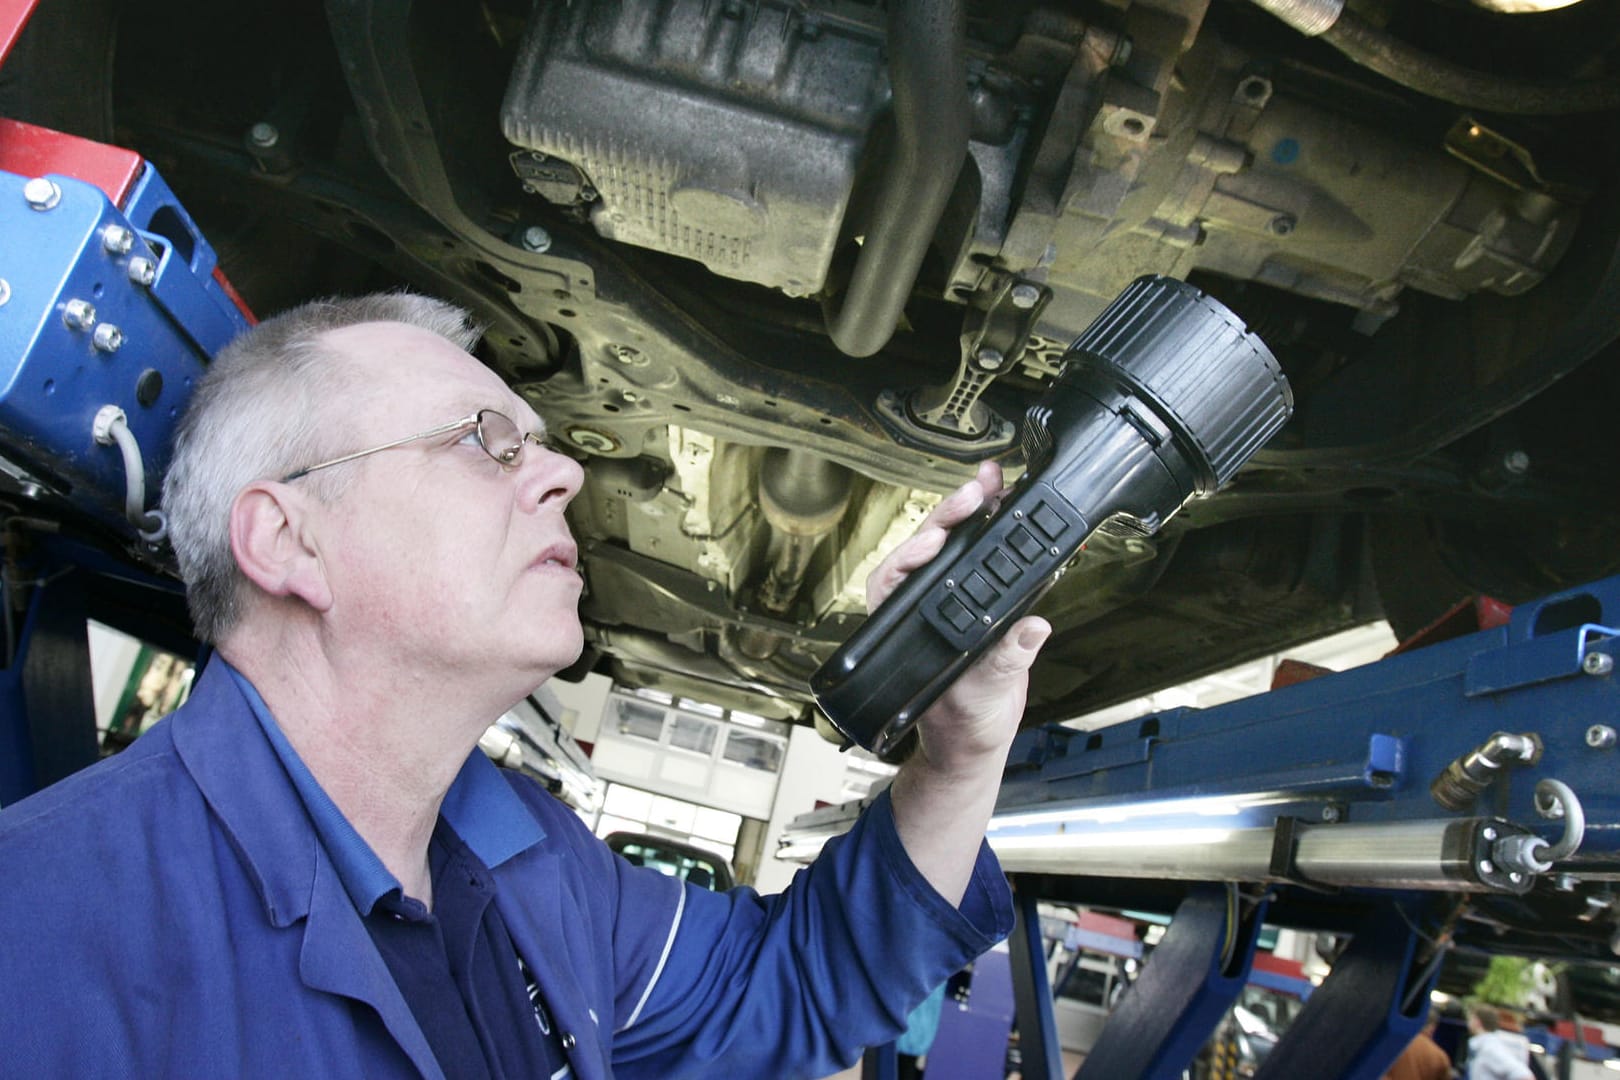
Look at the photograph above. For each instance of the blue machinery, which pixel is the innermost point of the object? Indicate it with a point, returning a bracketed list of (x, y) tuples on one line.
[(1461, 795)]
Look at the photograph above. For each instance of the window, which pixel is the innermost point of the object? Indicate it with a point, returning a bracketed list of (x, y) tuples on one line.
[(754, 751), (638, 720), (692, 733)]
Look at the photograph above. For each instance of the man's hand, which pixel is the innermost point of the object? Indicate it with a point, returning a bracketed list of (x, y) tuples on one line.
[(943, 796)]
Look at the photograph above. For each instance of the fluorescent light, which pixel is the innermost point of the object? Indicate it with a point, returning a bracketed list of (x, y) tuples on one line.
[(1209, 806), (1137, 838)]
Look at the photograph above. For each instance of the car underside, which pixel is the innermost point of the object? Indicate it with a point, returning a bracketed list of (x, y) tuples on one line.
[(779, 273)]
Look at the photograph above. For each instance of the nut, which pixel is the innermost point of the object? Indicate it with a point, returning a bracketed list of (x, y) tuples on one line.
[(42, 193), (1025, 295), (536, 239), (107, 338), (79, 314), (117, 240)]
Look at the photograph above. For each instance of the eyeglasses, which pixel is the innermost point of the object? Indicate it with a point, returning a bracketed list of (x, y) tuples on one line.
[(497, 434)]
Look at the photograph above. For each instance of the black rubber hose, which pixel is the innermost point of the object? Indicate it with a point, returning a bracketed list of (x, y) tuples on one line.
[(1428, 74), (928, 79)]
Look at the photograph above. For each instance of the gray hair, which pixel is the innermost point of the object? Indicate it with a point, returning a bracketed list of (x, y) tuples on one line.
[(258, 413)]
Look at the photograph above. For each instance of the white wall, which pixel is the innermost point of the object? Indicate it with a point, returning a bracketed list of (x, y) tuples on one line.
[(583, 702), (814, 769)]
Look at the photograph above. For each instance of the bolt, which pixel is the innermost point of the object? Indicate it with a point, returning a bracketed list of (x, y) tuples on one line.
[(985, 619), (142, 271), (264, 135), (107, 338), (950, 583), (988, 358), (1565, 882), (79, 314), (1516, 462), (1281, 225), (1488, 833), (631, 396), (1330, 813), (1025, 295), (1600, 736), (117, 240), (1597, 663), (1515, 877), (1486, 868), (5, 291), (536, 239), (42, 193)]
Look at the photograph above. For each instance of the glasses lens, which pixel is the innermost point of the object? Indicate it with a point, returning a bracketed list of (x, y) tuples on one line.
[(501, 438)]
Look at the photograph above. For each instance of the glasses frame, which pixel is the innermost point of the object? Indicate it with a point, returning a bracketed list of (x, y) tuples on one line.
[(474, 421)]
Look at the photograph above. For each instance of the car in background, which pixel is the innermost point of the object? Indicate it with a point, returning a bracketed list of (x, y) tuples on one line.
[(674, 858)]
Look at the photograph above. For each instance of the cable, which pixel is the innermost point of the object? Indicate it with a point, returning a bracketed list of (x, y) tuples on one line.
[(1554, 798), (111, 426)]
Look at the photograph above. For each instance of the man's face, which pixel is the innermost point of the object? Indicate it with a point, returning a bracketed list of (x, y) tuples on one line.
[(441, 558)]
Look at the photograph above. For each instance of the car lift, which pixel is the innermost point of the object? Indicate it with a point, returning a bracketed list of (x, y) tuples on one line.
[(111, 304), (1423, 801)]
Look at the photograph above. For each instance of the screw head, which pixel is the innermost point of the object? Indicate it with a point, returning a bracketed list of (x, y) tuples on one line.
[(1486, 867), (1597, 663), (1515, 877), (1516, 462), (117, 240), (536, 239), (1024, 295), (107, 338), (1488, 833), (1282, 224), (142, 271), (42, 193), (989, 359), (264, 135), (79, 314)]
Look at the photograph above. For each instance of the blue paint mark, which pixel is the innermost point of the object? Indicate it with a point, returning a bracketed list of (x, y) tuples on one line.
[(1286, 152)]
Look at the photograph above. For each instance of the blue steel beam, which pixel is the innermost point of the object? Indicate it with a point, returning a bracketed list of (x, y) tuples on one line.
[(1365, 1012), (1361, 746), (1041, 1056), (1189, 981)]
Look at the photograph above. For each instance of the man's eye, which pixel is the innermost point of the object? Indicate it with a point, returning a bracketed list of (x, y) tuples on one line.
[(470, 438)]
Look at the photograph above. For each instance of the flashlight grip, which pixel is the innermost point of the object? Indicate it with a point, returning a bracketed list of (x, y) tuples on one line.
[(1164, 397)]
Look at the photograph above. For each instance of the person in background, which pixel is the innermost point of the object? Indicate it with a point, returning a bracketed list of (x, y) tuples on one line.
[(1495, 1054), (1422, 1059)]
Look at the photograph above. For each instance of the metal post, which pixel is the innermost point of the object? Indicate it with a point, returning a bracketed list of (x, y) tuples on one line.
[(1366, 1011), (880, 1063), (1032, 995), (56, 683), (1186, 986)]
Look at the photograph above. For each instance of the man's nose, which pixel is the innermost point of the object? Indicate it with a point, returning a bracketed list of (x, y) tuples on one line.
[(547, 477)]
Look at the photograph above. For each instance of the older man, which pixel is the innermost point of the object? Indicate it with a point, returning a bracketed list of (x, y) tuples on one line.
[(308, 871)]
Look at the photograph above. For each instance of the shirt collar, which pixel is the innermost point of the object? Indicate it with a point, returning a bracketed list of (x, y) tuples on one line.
[(480, 806)]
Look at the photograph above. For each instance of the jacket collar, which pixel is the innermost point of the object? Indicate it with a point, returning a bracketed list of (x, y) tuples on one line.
[(250, 787)]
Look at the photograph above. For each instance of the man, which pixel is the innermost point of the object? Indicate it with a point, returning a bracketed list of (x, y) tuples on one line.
[(307, 871), (1494, 1054), (1422, 1059)]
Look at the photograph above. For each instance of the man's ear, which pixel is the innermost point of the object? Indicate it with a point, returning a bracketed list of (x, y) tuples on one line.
[(272, 545)]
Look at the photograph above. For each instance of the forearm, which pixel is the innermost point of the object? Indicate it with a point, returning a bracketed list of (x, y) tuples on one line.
[(941, 816)]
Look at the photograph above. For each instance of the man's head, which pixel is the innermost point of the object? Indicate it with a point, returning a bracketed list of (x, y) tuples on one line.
[(434, 541), (1483, 1017)]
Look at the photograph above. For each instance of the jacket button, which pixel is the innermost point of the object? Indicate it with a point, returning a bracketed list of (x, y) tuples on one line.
[(568, 1040)]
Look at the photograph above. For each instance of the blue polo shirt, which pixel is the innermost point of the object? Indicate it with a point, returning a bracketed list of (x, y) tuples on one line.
[(455, 965)]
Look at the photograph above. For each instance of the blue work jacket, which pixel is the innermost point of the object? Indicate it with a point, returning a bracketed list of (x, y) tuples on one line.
[(171, 912)]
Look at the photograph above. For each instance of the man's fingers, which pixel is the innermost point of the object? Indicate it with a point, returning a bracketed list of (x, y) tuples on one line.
[(925, 543)]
